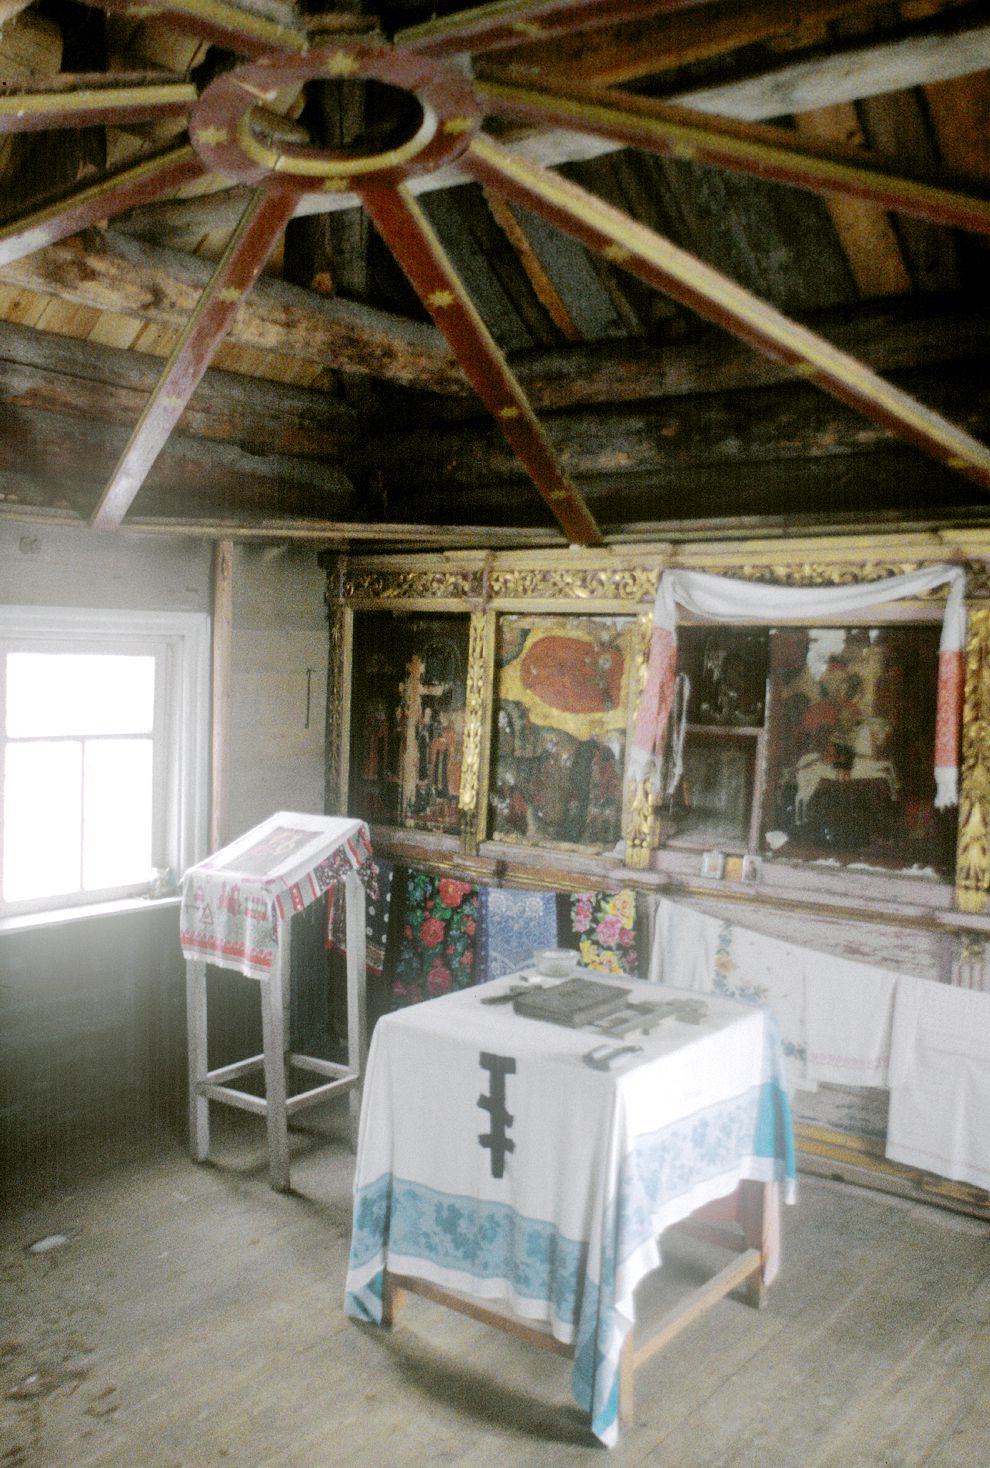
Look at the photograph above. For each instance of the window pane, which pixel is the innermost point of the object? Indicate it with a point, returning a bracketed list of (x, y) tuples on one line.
[(79, 693), (41, 819), (117, 813)]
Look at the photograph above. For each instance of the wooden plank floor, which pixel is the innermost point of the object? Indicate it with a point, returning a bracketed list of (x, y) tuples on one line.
[(193, 1320)]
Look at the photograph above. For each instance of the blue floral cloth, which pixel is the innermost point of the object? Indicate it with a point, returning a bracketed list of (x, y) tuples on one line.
[(512, 926)]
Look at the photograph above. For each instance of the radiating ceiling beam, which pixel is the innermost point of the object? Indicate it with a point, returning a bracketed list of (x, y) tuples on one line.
[(508, 22), (91, 99), (408, 234), (266, 216), (751, 148), (622, 53), (246, 32), (89, 203), (685, 278)]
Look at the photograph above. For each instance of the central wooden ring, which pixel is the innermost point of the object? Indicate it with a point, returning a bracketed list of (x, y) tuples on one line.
[(228, 141)]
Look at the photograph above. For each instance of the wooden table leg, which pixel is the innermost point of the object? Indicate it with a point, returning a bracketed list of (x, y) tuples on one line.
[(273, 1044), (199, 1107), (627, 1390), (393, 1301), (755, 1199)]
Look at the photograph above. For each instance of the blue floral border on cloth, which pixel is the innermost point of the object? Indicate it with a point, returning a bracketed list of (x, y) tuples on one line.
[(749, 1135)]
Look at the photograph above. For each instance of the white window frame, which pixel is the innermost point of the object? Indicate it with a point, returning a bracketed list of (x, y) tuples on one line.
[(182, 642)]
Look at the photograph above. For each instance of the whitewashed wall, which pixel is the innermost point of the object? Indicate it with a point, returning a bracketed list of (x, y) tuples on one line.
[(280, 631), (275, 760), (58, 566), (92, 1013)]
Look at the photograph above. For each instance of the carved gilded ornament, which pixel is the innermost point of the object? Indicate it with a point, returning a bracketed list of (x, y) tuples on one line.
[(809, 573), (336, 699), (639, 825), (630, 583), (474, 711), (389, 585), (973, 852)]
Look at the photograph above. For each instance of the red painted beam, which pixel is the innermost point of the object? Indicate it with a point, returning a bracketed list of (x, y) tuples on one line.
[(406, 231), (767, 152), (89, 203), (662, 264), (92, 99), (515, 22), (217, 21), (267, 214)]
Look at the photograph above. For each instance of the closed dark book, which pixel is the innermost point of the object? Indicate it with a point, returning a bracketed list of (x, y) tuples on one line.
[(574, 1002)]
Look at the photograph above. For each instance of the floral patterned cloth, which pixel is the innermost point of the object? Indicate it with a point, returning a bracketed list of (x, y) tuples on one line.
[(512, 927), (378, 903), (604, 925), (437, 954)]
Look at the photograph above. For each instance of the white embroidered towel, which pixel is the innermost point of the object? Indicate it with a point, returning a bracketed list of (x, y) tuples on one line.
[(849, 1009), (940, 1081), (693, 951)]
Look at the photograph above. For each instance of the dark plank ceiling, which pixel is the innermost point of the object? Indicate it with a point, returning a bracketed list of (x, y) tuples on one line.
[(334, 405)]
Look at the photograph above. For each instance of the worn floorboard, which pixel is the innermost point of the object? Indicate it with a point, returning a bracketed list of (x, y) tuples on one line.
[(193, 1319)]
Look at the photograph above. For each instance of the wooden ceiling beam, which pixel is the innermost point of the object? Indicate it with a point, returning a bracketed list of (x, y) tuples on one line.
[(241, 263), (750, 148), (622, 53), (94, 98), (712, 295), (62, 460), (332, 534), (951, 46), (110, 273), (89, 203), (406, 231), (888, 336), (914, 62), (163, 286), (244, 31), (791, 424), (61, 374), (505, 23)]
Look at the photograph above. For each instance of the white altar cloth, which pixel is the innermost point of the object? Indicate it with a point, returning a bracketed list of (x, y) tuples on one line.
[(564, 1222)]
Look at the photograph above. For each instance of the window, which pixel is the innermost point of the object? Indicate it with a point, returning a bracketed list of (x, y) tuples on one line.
[(103, 736)]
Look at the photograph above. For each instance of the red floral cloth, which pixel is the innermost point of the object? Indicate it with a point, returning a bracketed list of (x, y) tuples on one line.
[(439, 939)]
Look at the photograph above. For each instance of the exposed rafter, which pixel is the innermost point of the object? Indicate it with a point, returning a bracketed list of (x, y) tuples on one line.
[(765, 152), (670, 269), (271, 170), (264, 220), (405, 230)]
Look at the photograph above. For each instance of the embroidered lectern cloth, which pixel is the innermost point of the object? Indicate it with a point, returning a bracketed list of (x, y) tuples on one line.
[(493, 1162), (234, 902)]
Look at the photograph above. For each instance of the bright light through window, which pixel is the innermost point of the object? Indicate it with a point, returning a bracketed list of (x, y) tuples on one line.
[(42, 819), (117, 804), (49, 694), (78, 798)]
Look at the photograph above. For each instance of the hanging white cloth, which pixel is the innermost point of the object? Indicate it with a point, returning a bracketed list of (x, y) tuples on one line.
[(725, 599), (849, 1010), (835, 1014), (693, 951), (940, 1081)]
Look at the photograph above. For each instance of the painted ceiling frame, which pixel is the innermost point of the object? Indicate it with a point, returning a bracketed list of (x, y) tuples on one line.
[(231, 133)]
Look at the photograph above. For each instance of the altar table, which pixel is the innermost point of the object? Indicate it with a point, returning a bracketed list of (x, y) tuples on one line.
[(495, 1164)]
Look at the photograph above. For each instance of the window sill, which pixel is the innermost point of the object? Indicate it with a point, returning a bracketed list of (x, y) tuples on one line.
[(56, 916)]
